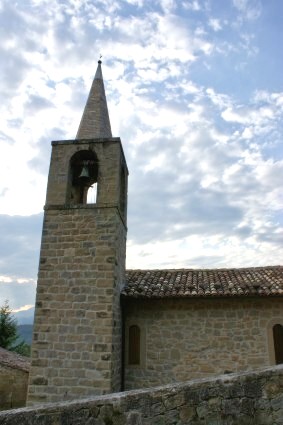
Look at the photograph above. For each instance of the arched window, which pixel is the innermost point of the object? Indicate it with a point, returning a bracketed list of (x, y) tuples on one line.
[(278, 343), (83, 178), (134, 345)]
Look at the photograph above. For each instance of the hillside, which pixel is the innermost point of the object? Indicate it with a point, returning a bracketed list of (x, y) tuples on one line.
[(25, 332)]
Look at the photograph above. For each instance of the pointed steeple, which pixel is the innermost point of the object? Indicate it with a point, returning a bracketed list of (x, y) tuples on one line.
[(95, 121)]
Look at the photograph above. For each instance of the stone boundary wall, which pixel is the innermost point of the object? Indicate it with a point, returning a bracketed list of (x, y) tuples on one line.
[(251, 398)]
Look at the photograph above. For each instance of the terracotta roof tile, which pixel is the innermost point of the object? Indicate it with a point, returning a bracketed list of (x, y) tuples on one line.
[(255, 281)]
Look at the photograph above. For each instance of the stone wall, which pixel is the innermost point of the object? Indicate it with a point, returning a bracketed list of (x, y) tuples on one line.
[(254, 398), (13, 387), (76, 349), (110, 157), (187, 339)]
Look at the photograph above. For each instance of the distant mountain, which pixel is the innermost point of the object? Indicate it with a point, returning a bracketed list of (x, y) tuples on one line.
[(25, 317), (25, 332)]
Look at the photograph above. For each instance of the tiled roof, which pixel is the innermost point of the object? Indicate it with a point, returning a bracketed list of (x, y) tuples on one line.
[(189, 283), (14, 360)]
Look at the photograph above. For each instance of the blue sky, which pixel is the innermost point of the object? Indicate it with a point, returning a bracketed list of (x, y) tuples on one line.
[(194, 90)]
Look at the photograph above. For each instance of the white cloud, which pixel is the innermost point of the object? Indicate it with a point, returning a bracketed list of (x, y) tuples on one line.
[(167, 5), (215, 24), (192, 5), (250, 115), (5, 279), (218, 99), (250, 9), (23, 308), (207, 252), (201, 141), (139, 3)]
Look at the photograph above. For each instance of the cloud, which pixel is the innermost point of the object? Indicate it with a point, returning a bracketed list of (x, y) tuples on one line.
[(215, 24), (19, 254), (19, 249), (36, 103), (23, 308), (17, 294), (201, 126), (194, 5), (250, 9), (13, 70), (208, 181)]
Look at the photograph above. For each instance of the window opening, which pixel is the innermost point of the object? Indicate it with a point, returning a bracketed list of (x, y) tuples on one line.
[(83, 178), (278, 343), (134, 345), (92, 194)]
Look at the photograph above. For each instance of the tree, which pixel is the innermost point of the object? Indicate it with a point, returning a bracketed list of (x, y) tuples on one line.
[(9, 337)]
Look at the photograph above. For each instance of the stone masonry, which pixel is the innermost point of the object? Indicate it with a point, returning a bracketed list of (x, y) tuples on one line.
[(13, 387), (95, 120), (76, 347), (211, 322), (14, 372), (254, 398), (184, 339)]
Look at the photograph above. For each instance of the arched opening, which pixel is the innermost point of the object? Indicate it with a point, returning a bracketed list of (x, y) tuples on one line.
[(83, 178), (134, 345), (278, 343), (92, 194)]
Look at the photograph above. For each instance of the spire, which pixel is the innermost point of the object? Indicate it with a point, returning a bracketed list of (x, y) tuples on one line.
[(95, 121)]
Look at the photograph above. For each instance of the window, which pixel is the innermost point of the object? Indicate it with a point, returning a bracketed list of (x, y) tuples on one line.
[(92, 194), (134, 345), (278, 343), (83, 178)]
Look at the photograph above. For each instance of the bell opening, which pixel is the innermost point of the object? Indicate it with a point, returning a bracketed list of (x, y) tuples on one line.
[(92, 194), (83, 178)]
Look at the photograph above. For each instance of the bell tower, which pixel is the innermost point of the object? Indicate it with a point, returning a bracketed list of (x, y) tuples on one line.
[(76, 349)]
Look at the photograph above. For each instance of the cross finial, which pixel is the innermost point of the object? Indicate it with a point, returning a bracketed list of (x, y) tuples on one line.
[(100, 56)]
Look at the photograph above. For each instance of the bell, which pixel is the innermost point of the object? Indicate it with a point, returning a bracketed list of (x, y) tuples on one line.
[(84, 173)]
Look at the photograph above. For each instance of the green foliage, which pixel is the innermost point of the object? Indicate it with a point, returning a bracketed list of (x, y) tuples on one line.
[(9, 337)]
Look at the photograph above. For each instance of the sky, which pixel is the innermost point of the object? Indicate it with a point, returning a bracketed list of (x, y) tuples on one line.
[(194, 90)]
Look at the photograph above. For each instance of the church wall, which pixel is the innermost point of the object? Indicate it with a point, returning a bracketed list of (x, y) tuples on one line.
[(186, 339), (13, 387)]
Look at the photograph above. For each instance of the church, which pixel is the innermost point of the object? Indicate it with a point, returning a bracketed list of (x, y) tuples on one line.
[(100, 328)]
